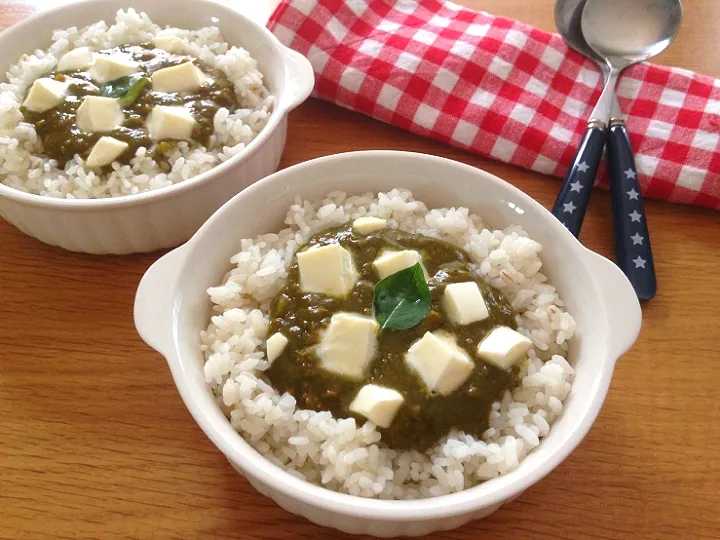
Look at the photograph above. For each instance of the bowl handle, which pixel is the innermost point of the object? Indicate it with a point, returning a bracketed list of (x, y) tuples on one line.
[(154, 309), (300, 78), (621, 304)]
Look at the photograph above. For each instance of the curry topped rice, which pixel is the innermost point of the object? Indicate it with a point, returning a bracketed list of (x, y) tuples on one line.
[(62, 138), (424, 417)]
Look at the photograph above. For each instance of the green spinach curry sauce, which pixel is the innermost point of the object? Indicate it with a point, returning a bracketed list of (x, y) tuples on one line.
[(62, 139), (423, 419)]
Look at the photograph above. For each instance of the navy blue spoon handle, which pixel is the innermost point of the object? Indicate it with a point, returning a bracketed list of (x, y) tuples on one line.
[(572, 202), (632, 240)]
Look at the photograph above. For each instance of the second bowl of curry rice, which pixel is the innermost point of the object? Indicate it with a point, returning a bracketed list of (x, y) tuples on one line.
[(160, 106)]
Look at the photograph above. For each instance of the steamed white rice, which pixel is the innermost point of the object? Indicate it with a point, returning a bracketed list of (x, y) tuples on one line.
[(335, 452), (22, 165)]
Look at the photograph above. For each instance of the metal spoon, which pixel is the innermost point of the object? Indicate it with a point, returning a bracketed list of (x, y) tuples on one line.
[(623, 33), (568, 19), (574, 195)]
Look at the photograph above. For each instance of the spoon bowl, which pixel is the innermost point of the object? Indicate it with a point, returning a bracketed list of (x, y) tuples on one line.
[(627, 32), (568, 20)]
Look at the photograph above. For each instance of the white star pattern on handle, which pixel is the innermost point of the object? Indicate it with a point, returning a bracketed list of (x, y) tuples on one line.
[(633, 195), (630, 174), (576, 186), (583, 167), (637, 239), (569, 207), (635, 216), (639, 262)]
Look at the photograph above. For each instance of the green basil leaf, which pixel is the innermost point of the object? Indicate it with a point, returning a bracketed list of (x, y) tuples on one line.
[(134, 91), (117, 88), (127, 88), (402, 300)]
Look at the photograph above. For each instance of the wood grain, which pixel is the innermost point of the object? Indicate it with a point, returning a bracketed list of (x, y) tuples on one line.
[(95, 441)]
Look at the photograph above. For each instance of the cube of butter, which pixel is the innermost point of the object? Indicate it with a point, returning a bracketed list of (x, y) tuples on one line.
[(275, 346), (98, 114), (105, 151), (110, 67), (75, 60), (168, 43), (391, 262), (348, 345), (181, 78), (369, 225), (327, 270), (439, 362), (464, 303), (45, 93), (170, 122), (503, 347), (377, 403)]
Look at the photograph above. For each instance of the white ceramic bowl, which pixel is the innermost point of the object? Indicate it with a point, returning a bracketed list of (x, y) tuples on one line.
[(168, 216), (172, 307)]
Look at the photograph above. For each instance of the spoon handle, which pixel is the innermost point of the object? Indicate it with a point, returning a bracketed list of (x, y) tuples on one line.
[(574, 196), (632, 240)]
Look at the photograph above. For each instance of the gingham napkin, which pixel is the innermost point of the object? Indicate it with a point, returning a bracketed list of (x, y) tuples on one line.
[(503, 89)]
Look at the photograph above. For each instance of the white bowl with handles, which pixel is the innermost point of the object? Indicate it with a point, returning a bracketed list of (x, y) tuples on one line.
[(172, 307), (168, 216)]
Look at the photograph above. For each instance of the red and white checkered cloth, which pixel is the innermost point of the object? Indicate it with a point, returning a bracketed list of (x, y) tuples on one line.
[(503, 89)]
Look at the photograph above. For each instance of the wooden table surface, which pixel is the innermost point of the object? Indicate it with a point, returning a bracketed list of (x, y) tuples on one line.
[(95, 441)]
